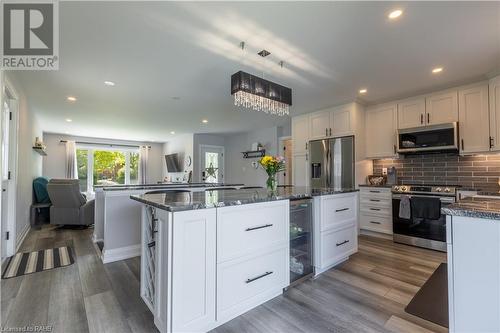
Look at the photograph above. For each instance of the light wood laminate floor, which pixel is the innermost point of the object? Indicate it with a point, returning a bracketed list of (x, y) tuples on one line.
[(368, 293)]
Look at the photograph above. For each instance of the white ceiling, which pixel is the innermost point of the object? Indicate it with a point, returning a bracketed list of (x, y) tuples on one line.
[(157, 50)]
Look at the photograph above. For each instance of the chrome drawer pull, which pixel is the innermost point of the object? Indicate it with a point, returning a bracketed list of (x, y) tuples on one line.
[(375, 200), (375, 209), (374, 191), (258, 277), (341, 210), (344, 242), (259, 227), (375, 222)]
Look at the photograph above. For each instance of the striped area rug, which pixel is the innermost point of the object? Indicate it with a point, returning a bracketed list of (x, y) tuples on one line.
[(37, 261)]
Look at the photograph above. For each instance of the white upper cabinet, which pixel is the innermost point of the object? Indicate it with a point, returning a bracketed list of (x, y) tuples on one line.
[(411, 113), (474, 119), (340, 121), (381, 122), (319, 124), (300, 134), (495, 113), (441, 108)]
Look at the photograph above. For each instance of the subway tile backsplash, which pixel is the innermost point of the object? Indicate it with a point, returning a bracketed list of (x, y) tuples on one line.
[(480, 171)]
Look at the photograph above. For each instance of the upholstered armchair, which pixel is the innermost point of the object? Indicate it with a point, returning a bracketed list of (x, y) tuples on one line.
[(69, 205)]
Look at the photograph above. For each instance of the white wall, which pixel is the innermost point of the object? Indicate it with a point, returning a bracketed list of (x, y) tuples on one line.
[(239, 169), (29, 163), (182, 144), (54, 163)]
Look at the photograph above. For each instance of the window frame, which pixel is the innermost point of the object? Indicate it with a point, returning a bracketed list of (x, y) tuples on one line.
[(90, 161)]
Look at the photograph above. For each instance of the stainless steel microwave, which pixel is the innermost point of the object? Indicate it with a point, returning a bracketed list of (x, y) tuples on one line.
[(432, 138)]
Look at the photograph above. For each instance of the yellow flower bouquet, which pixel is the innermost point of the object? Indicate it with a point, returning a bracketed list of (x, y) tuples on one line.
[(272, 165)]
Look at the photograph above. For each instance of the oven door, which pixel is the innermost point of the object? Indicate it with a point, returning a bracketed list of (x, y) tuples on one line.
[(421, 228)]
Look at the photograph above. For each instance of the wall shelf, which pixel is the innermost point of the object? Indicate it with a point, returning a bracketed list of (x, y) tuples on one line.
[(40, 151), (254, 153)]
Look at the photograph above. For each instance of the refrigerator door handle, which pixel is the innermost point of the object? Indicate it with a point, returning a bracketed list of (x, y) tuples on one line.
[(328, 163)]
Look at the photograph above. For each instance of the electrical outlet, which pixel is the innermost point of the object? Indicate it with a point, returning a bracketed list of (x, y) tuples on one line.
[(384, 171)]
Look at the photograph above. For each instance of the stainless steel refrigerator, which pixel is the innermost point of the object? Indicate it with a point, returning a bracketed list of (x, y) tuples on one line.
[(332, 162)]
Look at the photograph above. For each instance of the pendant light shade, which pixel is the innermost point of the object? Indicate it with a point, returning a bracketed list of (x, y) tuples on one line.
[(251, 91)]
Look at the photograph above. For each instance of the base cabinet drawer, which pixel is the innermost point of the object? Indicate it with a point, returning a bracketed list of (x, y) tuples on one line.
[(242, 283), (242, 230), (336, 245), (375, 223), (376, 210), (338, 209)]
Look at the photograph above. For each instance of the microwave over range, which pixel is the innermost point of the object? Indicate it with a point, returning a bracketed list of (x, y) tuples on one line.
[(427, 139)]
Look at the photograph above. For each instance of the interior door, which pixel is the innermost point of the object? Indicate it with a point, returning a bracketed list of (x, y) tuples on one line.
[(285, 177), (212, 164)]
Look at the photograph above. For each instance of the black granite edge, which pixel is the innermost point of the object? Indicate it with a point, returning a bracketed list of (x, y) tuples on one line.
[(479, 213), (382, 186), (236, 202), (166, 186)]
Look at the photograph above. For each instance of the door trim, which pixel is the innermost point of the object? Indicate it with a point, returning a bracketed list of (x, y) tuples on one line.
[(8, 90)]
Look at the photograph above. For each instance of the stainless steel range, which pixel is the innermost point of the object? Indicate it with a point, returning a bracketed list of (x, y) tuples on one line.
[(421, 231)]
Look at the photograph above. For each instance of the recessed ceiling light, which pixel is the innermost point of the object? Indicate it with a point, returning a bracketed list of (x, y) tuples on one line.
[(71, 98), (395, 14), (69, 120), (204, 121), (437, 70), (109, 83), (363, 91), (172, 132)]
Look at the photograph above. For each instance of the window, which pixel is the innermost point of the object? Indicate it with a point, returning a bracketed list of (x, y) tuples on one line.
[(105, 167)]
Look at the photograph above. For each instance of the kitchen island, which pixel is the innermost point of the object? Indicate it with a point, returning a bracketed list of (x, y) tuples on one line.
[(210, 256), (473, 246)]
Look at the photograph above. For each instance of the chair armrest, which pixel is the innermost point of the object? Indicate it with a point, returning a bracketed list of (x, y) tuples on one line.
[(87, 212)]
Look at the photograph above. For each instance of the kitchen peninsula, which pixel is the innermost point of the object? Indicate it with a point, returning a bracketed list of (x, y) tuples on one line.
[(210, 256), (473, 244)]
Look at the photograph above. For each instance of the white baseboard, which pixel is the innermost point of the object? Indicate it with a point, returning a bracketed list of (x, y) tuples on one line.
[(120, 253), (22, 236)]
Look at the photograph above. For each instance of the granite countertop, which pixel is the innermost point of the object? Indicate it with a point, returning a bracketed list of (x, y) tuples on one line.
[(164, 186), (175, 202), (484, 208), (368, 185)]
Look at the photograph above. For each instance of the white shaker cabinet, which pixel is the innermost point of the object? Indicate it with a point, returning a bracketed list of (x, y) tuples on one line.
[(381, 126), (300, 169), (411, 113), (300, 134), (474, 119), (335, 229), (494, 103), (341, 121), (319, 125), (441, 107), (473, 246)]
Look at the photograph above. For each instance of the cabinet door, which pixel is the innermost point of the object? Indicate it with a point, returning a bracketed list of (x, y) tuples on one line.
[(193, 270), (474, 119), (300, 134), (319, 124), (341, 124), (381, 131), (300, 169), (441, 108), (411, 113), (495, 113)]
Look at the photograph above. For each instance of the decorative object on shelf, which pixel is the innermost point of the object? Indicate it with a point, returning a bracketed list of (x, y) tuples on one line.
[(253, 92), (376, 180), (257, 146), (187, 161), (272, 165), (254, 153), (39, 147)]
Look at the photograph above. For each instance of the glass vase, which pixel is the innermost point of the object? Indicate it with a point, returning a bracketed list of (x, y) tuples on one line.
[(272, 183)]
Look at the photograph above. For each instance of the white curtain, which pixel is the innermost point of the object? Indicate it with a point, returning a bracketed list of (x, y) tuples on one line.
[(71, 166), (143, 164)]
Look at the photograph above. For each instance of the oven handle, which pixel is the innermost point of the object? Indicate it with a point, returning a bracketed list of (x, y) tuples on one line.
[(442, 199)]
